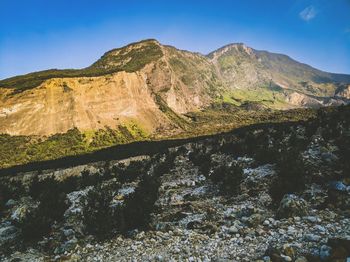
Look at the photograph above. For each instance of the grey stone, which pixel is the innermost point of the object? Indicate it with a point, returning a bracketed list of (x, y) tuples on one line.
[(233, 230), (291, 206), (266, 223), (10, 203), (26, 206), (325, 252), (338, 185), (286, 258), (312, 237), (311, 219)]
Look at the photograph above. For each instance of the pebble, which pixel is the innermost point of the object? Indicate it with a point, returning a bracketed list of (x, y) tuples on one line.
[(312, 237), (233, 230), (266, 223), (311, 219)]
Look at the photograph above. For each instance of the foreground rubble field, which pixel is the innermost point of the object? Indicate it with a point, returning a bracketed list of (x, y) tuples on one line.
[(276, 192)]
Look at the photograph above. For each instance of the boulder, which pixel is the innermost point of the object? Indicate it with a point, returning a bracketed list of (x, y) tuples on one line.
[(292, 206), (11, 203), (73, 216), (25, 207), (255, 219)]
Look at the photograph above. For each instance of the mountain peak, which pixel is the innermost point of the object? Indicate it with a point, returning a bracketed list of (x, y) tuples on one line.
[(237, 44), (233, 47), (144, 42), (131, 57), (242, 47)]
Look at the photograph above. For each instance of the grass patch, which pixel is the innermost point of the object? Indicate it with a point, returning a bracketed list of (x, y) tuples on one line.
[(267, 97), (222, 117), (17, 150)]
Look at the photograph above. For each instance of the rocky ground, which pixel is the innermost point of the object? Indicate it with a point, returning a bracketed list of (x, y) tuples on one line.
[(273, 193)]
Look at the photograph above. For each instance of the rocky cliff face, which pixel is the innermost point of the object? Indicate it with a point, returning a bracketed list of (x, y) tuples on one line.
[(277, 192), (88, 103), (132, 88), (152, 86)]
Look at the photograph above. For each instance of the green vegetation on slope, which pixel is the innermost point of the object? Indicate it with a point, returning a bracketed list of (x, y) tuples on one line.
[(246, 68), (222, 117), (195, 71), (129, 60), (17, 150), (122, 135), (123, 59), (265, 96)]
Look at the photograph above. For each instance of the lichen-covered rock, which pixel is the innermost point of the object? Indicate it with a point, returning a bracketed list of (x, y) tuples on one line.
[(291, 206), (10, 203), (25, 207), (73, 216)]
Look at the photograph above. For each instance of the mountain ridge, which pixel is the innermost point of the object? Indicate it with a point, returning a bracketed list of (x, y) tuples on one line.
[(150, 87), (233, 44), (344, 76)]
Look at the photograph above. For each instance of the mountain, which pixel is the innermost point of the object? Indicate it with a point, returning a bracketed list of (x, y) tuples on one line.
[(289, 81), (143, 84), (146, 88)]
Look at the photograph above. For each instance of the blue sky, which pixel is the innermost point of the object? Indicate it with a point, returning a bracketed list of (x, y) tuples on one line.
[(42, 34)]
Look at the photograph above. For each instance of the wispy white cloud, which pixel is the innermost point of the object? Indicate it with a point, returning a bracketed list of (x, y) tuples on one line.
[(308, 13)]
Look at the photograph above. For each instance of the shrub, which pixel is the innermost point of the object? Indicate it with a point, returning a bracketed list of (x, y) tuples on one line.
[(202, 160), (228, 177), (130, 172), (141, 204), (51, 208), (291, 175), (98, 216)]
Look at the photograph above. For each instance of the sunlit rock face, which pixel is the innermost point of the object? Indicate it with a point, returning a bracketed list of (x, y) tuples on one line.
[(148, 84)]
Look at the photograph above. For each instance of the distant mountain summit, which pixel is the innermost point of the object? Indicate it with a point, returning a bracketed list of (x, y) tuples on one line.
[(242, 67), (148, 87)]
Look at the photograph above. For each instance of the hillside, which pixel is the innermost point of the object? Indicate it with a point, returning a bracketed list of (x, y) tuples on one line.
[(150, 91), (271, 192), (144, 84), (277, 77)]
